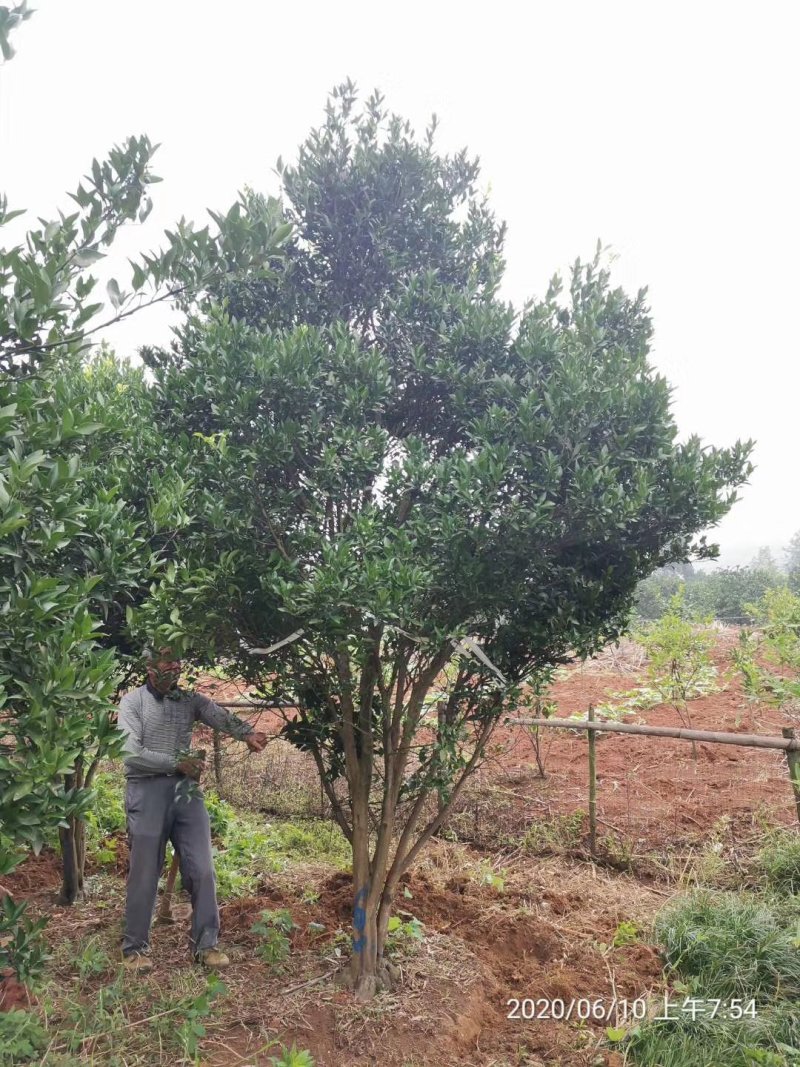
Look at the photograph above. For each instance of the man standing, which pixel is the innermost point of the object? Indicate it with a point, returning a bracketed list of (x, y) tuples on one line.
[(161, 804)]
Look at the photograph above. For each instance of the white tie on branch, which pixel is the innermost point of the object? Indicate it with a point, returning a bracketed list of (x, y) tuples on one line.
[(278, 644), (470, 647), (467, 646)]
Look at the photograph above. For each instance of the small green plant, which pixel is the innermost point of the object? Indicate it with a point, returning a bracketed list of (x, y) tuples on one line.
[(101, 1017), (273, 928), (220, 814), (402, 931), (561, 833), (292, 1057), (617, 850), (93, 959), (191, 1031), (107, 814), (247, 848), (21, 947), (679, 665), (776, 641), (627, 933), (106, 852), (22, 1037), (538, 703), (487, 875)]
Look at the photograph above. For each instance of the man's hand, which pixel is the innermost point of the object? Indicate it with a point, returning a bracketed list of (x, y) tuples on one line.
[(192, 767), (256, 741)]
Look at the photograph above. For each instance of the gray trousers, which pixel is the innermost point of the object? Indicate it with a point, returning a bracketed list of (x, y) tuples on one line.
[(156, 814)]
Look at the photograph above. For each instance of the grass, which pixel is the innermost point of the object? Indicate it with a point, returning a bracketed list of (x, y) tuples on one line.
[(560, 834), (737, 948), (733, 944), (771, 1039), (119, 1024), (779, 861), (249, 847)]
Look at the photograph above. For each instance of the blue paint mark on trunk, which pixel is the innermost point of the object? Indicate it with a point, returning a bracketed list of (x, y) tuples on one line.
[(360, 918)]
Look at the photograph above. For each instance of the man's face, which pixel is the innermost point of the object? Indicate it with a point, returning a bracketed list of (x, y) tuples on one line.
[(164, 672)]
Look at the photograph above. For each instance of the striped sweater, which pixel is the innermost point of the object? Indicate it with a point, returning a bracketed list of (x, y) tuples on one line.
[(157, 728)]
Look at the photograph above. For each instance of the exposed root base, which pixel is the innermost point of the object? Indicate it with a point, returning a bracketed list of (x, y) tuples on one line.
[(366, 986)]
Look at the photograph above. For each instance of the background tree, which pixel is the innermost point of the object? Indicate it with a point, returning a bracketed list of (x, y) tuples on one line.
[(388, 458), (769, 656), (793, 563), (679, 665), (726, 593)]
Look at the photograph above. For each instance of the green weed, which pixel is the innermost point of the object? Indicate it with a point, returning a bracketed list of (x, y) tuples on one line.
[(292, 1057), (559, 834), (273, 928), (22, 1037)]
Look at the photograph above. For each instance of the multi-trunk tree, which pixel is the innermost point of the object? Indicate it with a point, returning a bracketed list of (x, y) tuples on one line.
[(443, 494)]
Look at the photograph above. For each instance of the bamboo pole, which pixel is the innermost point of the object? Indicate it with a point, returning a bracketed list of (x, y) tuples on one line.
[(255, 704), (793, 759), (592, 785), (786, 744)]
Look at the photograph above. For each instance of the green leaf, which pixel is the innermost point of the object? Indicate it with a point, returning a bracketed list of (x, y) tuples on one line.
[(114, 294), (88, 256)]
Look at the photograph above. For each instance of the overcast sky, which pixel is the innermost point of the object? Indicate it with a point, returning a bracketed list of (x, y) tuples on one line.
[(668, 130)]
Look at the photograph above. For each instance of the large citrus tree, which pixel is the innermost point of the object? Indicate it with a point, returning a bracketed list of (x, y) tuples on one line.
[(441, 494)]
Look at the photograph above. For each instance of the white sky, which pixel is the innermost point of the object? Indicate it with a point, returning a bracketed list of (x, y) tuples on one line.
[(668, 130)]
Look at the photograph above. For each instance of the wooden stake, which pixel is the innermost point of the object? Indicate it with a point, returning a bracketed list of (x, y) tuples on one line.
[(165, 910), (592, 784), (793, 759), (217, 759)]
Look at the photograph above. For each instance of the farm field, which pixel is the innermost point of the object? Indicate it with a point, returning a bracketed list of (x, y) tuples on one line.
[(505, 905)]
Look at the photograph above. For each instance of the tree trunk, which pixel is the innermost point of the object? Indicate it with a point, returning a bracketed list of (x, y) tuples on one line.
[(368, 971), (73, 856), (72, 839)]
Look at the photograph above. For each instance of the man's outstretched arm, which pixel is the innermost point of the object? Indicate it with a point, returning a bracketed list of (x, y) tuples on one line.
[(221, 719)]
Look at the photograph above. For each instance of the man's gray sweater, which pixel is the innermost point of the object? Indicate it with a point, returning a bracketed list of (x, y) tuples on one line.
[(158, 728)]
